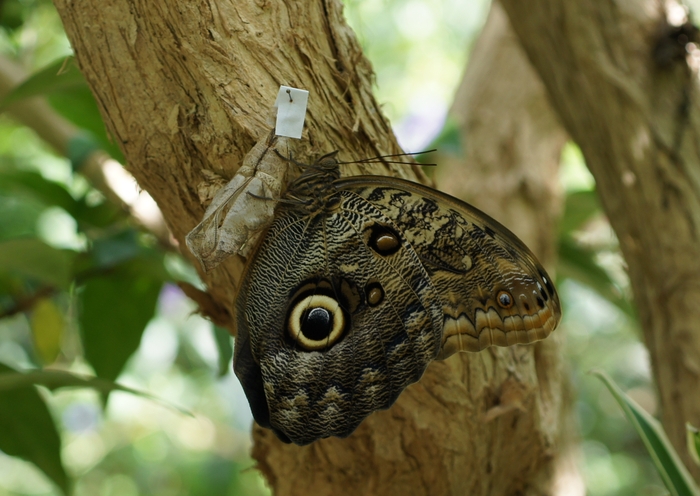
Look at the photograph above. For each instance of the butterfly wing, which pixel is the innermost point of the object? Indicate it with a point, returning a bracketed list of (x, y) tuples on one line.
[(335, 317), (493, 289), (345, 306)]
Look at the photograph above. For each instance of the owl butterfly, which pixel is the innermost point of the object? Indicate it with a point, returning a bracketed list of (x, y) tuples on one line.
[(242, 209), (361, 282)]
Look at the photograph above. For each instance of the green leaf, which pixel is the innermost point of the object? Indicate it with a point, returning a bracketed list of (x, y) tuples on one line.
[(47, 330), (55, 379), (126, 250), (223, 343), (77, 104), (60, 74), (116, 248), (578, 263), (102, 215), (449, 141), (68, 93), (36, 185), (693, 442), (33, 258), (32, 184), (19, 214), (28, 430), (149, 263), (12, 14), (80, 148), (114, 313), (667, 462), (580, 207)]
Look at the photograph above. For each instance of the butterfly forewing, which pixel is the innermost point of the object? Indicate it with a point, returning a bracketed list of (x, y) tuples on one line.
[(494, 291)]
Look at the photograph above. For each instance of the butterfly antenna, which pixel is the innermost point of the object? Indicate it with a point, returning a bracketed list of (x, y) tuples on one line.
[(382, 158)]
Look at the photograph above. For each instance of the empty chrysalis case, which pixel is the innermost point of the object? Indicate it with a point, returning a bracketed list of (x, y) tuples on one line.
[(244, 208)]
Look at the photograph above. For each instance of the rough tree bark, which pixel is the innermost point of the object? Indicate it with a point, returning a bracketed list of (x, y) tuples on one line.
[(185, 87), (512, 142), (623, 88)]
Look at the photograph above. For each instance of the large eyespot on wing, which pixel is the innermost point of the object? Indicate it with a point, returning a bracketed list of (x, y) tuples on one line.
[(339, 325), (316, 321)]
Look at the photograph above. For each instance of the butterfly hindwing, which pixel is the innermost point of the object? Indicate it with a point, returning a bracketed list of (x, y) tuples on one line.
[(350, 262)]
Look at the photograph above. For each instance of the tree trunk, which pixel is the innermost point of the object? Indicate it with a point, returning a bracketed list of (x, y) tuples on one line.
[(623, 87), (512, 142), (187, 86)]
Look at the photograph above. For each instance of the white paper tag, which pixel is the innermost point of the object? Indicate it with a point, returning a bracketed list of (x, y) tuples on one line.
[(291, 111)]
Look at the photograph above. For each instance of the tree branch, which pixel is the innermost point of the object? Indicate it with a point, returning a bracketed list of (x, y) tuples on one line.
[(637, 122)]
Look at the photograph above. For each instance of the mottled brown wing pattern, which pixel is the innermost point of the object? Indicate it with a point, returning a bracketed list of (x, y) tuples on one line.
[(359, 284), (304, 380), (494, 290)]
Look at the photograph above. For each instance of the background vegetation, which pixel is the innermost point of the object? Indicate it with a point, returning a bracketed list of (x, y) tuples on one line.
[(68, 257)]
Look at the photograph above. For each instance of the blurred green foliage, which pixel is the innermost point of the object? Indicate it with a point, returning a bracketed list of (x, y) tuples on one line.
[(29, 431), (668, 464), (693, 442), (83, 290)]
